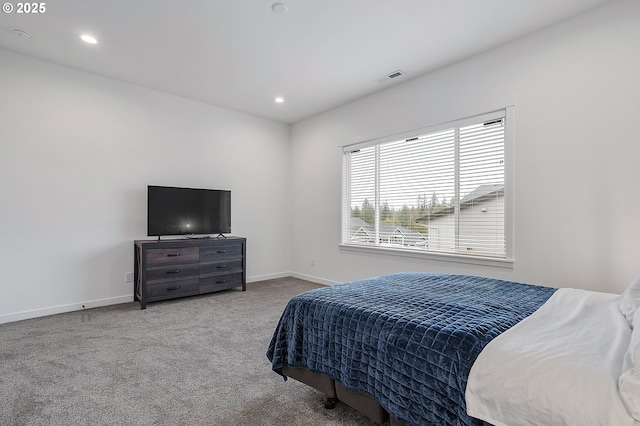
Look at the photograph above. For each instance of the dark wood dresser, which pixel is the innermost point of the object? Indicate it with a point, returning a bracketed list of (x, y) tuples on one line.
[(168, 269)]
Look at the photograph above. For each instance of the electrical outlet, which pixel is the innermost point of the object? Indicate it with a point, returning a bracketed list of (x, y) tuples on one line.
[(128, 277), (313, 262)]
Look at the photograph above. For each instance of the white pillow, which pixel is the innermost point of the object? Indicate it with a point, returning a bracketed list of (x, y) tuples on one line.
[(630, 300), (629, 380)]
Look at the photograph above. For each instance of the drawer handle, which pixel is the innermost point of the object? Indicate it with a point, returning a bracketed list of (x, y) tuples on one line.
[(221, 266), (221, 281), (222, 251), (177, 271), (173, 254), (173, 288)]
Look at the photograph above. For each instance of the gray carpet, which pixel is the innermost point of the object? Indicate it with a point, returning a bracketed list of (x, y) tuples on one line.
[(192, 361)]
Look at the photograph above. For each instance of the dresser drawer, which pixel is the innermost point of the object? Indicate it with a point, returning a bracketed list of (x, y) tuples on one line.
[(172, 255), (173, 289), (177, 272), (222, 251), (220, 268), (220, 282)]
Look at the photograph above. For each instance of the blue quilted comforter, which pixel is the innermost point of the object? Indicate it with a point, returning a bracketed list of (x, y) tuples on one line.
[(408, 340)]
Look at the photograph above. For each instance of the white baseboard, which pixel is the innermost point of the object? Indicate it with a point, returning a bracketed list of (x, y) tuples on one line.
[(268, 277), (36, 313), (313, 279), (53, 310)]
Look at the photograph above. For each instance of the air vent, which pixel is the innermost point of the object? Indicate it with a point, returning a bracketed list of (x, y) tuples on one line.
[(391, 76)]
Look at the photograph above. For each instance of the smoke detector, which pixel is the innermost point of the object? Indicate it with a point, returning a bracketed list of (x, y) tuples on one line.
[(20, 33), (279, 8)]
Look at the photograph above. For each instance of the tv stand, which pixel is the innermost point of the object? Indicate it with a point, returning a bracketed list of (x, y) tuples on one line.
[(169, 269)]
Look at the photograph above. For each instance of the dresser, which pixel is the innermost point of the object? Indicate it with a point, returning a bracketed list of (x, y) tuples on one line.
[(168, 269)]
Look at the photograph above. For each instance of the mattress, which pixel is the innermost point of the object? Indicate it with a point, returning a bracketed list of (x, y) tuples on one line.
[(558, 367)]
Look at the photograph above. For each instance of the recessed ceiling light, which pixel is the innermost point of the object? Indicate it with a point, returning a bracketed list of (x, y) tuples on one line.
[(88, 39), (279, 8), (279, 100)]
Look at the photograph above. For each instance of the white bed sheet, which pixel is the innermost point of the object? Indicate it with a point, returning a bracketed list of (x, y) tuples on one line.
[(559, 366)]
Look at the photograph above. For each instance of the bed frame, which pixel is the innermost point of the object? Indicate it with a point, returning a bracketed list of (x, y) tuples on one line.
[(336, 392)]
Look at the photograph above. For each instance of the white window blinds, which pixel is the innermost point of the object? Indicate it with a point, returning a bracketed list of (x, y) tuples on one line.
[(438, 191)]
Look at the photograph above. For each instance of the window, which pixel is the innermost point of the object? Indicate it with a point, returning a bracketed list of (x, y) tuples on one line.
[(439, 190)]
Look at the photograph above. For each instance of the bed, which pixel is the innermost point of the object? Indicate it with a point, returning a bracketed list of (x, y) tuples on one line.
[(447, 349)]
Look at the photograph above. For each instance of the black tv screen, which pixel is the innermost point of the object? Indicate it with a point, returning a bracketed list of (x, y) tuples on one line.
[(185, 211)]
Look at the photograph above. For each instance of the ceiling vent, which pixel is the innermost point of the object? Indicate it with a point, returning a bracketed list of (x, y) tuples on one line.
[(391, 76)]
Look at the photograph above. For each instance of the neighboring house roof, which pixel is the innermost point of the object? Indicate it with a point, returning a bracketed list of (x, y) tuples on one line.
[(356, 221), (482, 193), (363, 230), (478, 195)]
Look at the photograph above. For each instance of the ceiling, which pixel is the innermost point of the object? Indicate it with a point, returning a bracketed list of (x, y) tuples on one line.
[(240, 54)]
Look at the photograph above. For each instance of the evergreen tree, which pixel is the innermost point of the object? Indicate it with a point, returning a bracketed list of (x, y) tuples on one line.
[(368, 212), (434, 202), (405, 216), (385, 212)]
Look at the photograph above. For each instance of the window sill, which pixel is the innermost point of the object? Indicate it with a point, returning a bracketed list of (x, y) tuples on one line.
[(443, 257)]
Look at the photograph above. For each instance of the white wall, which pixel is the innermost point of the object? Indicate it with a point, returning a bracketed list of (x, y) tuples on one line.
[(77, 152), (576, 92)]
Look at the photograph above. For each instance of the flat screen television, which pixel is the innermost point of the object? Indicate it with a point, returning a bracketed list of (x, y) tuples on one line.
[(187, 211)]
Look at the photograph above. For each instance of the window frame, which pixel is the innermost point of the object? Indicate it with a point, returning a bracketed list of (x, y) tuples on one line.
[(504, 262)]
